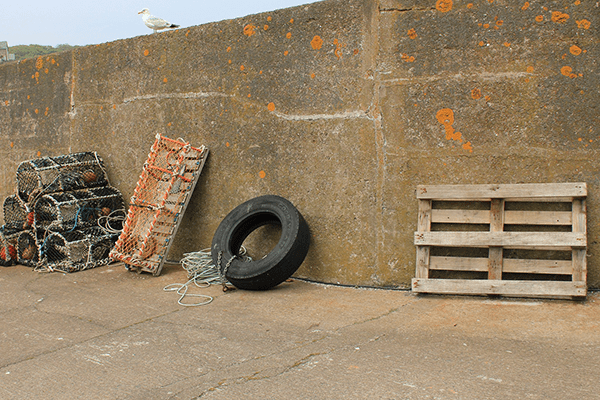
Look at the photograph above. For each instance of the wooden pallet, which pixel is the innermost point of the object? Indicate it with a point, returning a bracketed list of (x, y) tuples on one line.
[(526, 240)]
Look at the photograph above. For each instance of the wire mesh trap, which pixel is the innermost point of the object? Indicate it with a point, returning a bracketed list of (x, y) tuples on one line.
[(79, 208), (159, 201), (75, 250), (8, 246), (58, 174), (64, 216), (28, 248)]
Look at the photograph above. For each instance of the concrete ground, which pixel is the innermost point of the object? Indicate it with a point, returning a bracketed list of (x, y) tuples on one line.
[(111, 334)]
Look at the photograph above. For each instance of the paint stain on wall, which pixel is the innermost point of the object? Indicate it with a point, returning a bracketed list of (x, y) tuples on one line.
[(443, 5), (249, 30), (316, 43)]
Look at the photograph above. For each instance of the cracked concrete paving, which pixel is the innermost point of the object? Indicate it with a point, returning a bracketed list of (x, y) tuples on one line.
[(111, 334)]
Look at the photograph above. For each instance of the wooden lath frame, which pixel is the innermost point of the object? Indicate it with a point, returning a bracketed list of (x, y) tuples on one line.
[(497, 239)]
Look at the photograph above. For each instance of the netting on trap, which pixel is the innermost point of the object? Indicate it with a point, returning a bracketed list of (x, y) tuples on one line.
[(76, 209), (16, 215), (28, 249), (62, 173), (160, 198), (8, 246), (75, 250)]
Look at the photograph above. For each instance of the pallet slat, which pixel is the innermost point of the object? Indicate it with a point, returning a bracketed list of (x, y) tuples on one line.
[(509, 265), (560, 289), (513, 240), (510, 217), (565, 191)]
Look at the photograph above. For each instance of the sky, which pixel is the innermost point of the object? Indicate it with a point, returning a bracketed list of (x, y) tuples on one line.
[(86, 22)]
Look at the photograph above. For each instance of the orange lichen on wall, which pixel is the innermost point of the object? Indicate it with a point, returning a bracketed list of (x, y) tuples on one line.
[(262, 174), (445, 116), (288, 35), (584, 23), (412, 33), (575, 50), (271, 106), (539, 18), (568, 71), (443, 5), (146, 52), (525, 6), (39, 63), (249, 30), (559, 17), (530, 69), (338, 48), (407, 58), (476, 93), (316, 42)]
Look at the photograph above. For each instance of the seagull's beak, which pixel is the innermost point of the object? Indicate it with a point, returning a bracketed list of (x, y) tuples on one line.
[(141, 12)]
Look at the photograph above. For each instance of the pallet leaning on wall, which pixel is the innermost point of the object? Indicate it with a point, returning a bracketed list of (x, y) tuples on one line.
[(526, 240)]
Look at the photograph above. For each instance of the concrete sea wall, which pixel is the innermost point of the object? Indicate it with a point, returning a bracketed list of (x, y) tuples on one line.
[(341, 106)]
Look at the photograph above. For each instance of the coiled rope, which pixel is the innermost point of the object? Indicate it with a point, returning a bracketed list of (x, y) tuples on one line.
[(201, 272)]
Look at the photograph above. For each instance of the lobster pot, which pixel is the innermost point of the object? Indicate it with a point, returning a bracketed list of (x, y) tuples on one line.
[(77, 209), (159, 201), (62, 173), (15, 214), (76, 250), (8, 246), (27, 249)]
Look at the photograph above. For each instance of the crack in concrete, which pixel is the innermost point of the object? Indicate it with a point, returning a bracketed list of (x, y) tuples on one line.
[(110, 332)]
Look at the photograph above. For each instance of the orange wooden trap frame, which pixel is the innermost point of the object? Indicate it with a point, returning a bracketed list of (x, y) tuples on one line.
[(529, 240), (159, 201)]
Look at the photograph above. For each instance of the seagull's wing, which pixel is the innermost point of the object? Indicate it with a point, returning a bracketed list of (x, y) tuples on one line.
[(156, 23)]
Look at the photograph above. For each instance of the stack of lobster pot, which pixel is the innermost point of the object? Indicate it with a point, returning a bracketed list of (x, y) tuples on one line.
[(64, 215)]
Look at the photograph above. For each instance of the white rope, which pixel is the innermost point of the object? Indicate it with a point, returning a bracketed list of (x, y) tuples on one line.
[(201, 271), (104, 221)]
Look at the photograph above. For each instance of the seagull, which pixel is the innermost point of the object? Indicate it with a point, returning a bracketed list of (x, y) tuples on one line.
[(155, 23)]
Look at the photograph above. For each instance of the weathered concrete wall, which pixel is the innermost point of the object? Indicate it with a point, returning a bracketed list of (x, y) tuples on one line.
[(343, 107)]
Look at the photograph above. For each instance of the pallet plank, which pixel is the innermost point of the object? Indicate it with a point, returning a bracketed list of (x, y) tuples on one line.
[(423, 224), (565, 191), (513, 240), (579, 225), (511, 217), (561, 289), (509, 265)]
